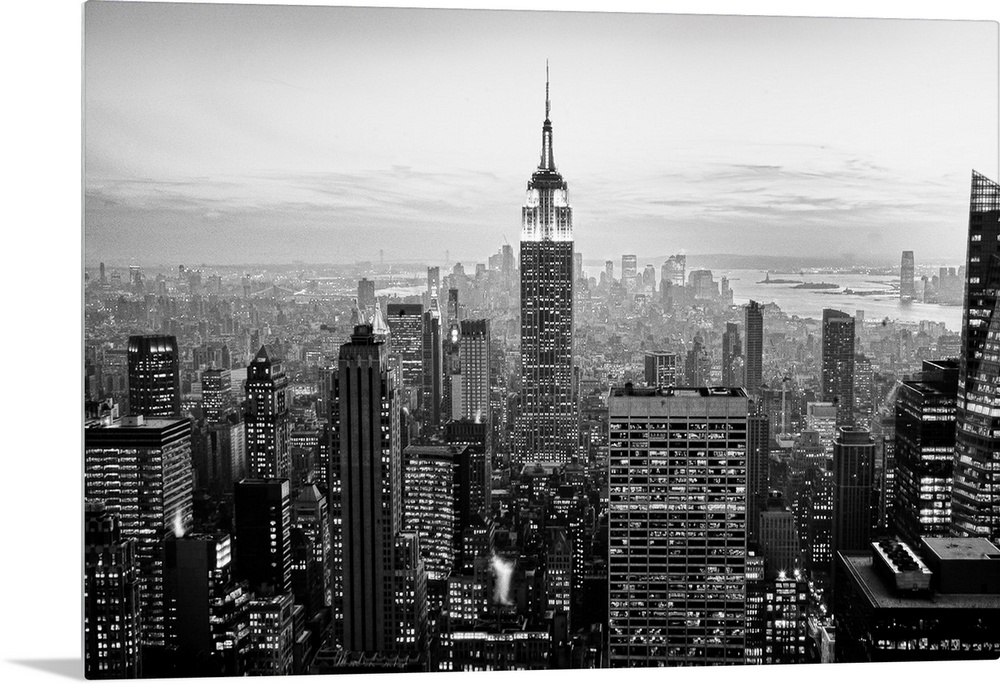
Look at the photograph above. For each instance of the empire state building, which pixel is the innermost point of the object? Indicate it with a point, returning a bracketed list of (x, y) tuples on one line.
[(546, 427)]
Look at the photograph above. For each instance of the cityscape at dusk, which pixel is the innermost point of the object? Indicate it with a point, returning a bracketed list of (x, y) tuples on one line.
[(464, 341)]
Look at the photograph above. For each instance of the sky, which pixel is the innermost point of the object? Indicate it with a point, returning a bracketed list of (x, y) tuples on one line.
[(254, 134)]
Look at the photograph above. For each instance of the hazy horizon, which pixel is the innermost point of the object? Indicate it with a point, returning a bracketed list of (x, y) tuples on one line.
[(274, 134)]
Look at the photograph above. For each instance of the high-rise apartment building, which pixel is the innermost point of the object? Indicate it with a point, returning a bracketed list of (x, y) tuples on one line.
[(753, 367), (547, 422), (975, 505), (266, 417), (838, 364), (141, 469), (677, 526), (154, 385)]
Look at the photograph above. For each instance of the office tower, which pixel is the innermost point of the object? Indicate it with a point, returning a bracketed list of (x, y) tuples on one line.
[(406, 323), (223, 445), (141, 469), (629, 271), (702, 284), (507, 265), (558, 571), (779, 537), (785, 610), (111, 621), (433, 368), (661, 369), (975, 505), (649, 278), (216, 393), (906, 290), (697, 365), (266, 417), (732, 349), (725, 292), (864, 392), (271, 643), (674, 270), (758, 481), (262, 527), (366, 295), (474, 359), (433, 287), (815, 519), (432, 506), (884, 434), (207, 609), (366, 464), (577, 266), (154, 386), (453, 310), (547, 420), (677, 582), (938, 601), (838, 364), (104, 277), (754, 361), (821, 417), (609, 272), (311, 519), (924, 452), (410, 596), (853, 490), (451, 394), (474, 494)]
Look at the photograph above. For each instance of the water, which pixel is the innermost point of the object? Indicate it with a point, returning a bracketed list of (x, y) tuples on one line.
[(810, 303)]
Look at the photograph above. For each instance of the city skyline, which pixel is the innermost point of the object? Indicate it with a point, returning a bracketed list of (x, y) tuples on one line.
[(229, 124)]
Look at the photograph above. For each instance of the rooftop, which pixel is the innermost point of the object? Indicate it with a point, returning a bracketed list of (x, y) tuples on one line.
[(960, 548)]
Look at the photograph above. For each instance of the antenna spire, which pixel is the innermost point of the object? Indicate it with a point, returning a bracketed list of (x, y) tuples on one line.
[(546, 89)]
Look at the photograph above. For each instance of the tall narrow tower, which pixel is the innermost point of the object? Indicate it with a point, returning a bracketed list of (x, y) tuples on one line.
[(838, 364), (754, 366), (546, 426), (266, 417), (975, 505), (154, 386)]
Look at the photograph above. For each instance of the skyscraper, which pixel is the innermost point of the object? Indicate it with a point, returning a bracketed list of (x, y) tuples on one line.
[(406, 323), (263, 524), (266, 417), (141, 469), (216, 393), (154, 385), (732, 349), (474, 358), (433, 360), (975, 506), (433, 287), (838, 364), (906, 290), (661, 369), (547, 420), (754, 362), (111, 622), (853, 490), (366, 453), (924, 452), (630, 271), (677, 526), (366, 295)]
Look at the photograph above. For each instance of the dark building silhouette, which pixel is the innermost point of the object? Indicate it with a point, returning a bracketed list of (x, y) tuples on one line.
[(406, 323), (154, 386), (262, 527), (545, 426), (975, 506), (433, 368), (754, 361), (216, 393), (366, 294), (853, 490), (266, 417), (838, 364)]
